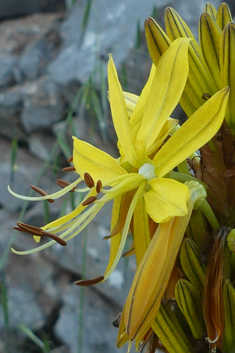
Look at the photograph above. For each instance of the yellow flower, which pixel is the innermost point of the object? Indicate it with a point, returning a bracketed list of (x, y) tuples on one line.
[(210, 62), (140, 177)]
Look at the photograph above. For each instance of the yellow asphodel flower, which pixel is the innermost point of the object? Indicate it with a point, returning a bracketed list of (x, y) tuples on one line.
[(210, 61), (142, 171)]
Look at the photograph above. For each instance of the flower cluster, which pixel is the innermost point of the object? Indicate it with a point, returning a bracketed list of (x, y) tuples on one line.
[(173, 189)]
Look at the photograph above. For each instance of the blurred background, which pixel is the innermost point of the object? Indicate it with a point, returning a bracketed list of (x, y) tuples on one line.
[(53, 62)]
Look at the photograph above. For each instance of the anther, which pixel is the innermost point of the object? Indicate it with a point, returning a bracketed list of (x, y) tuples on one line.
[(54, 237), (206, 96), (29, 229), (89, 200), (89, 180), (41, 192), (70, 159), (89, 282), (69, 169), (62, 183), (98, 186)]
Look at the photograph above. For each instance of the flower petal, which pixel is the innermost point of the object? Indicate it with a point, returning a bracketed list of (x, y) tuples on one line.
[(89, 159), (227, 72), (119, 113), (193, 134), (210, 36), (223, 16), (166, 198), (165, 93)]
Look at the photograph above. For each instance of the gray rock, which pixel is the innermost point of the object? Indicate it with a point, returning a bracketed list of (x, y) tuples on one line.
[(16, 34), (7, 69), (100, 37), (36, 56), (97, 333), (42, 105), (10, 8), (10, 108), (24, 173), (40, 145)]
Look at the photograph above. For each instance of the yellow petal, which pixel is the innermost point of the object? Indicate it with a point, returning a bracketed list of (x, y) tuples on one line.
[(157, 40), (211, 10), (131, 100), (168, 329), (141, 232), (165, 131), (227, 71), (223, 16), (166, 198), (89, 159), (210, 36), (154, 271), (200, 79), (165, 93), (140, 105), (119, 113), (116, 239), (193, 134)]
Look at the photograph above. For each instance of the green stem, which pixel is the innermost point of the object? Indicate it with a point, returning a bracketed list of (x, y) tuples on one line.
[(208, 212)]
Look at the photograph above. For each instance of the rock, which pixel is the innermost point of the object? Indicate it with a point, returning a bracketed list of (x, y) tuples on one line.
[(25, 172), (42, 105), (95, 314), (15, 35), (13, 8), (99, 38), (10, 108), (80, 129), (41, 145), (8, 65), (36, 56)]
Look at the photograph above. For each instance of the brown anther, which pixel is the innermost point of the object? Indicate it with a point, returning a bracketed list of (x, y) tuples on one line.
[(62, 183), (54, 237), (22, 230), (41, 192), (30, 229), (89, 200), (70, 159), (89, 180), (69, 169), (98, 186), (206, 96), (89, 282)]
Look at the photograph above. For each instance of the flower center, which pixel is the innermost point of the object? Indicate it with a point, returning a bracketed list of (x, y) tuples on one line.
[(147, 170)]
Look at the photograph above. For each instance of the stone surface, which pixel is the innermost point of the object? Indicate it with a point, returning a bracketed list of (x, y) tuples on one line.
[(40, 145), (13, 8), (91, 327), (42, 105), (7, 70), (25, 172)]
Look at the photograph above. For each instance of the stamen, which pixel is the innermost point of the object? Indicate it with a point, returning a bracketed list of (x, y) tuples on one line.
[(69, 169), (41, 192), (62, 183), (54, 237), (98, 186), (27, 228), (30, 229), (89, 180), (70, 159), (89, 200), (89, 282)]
